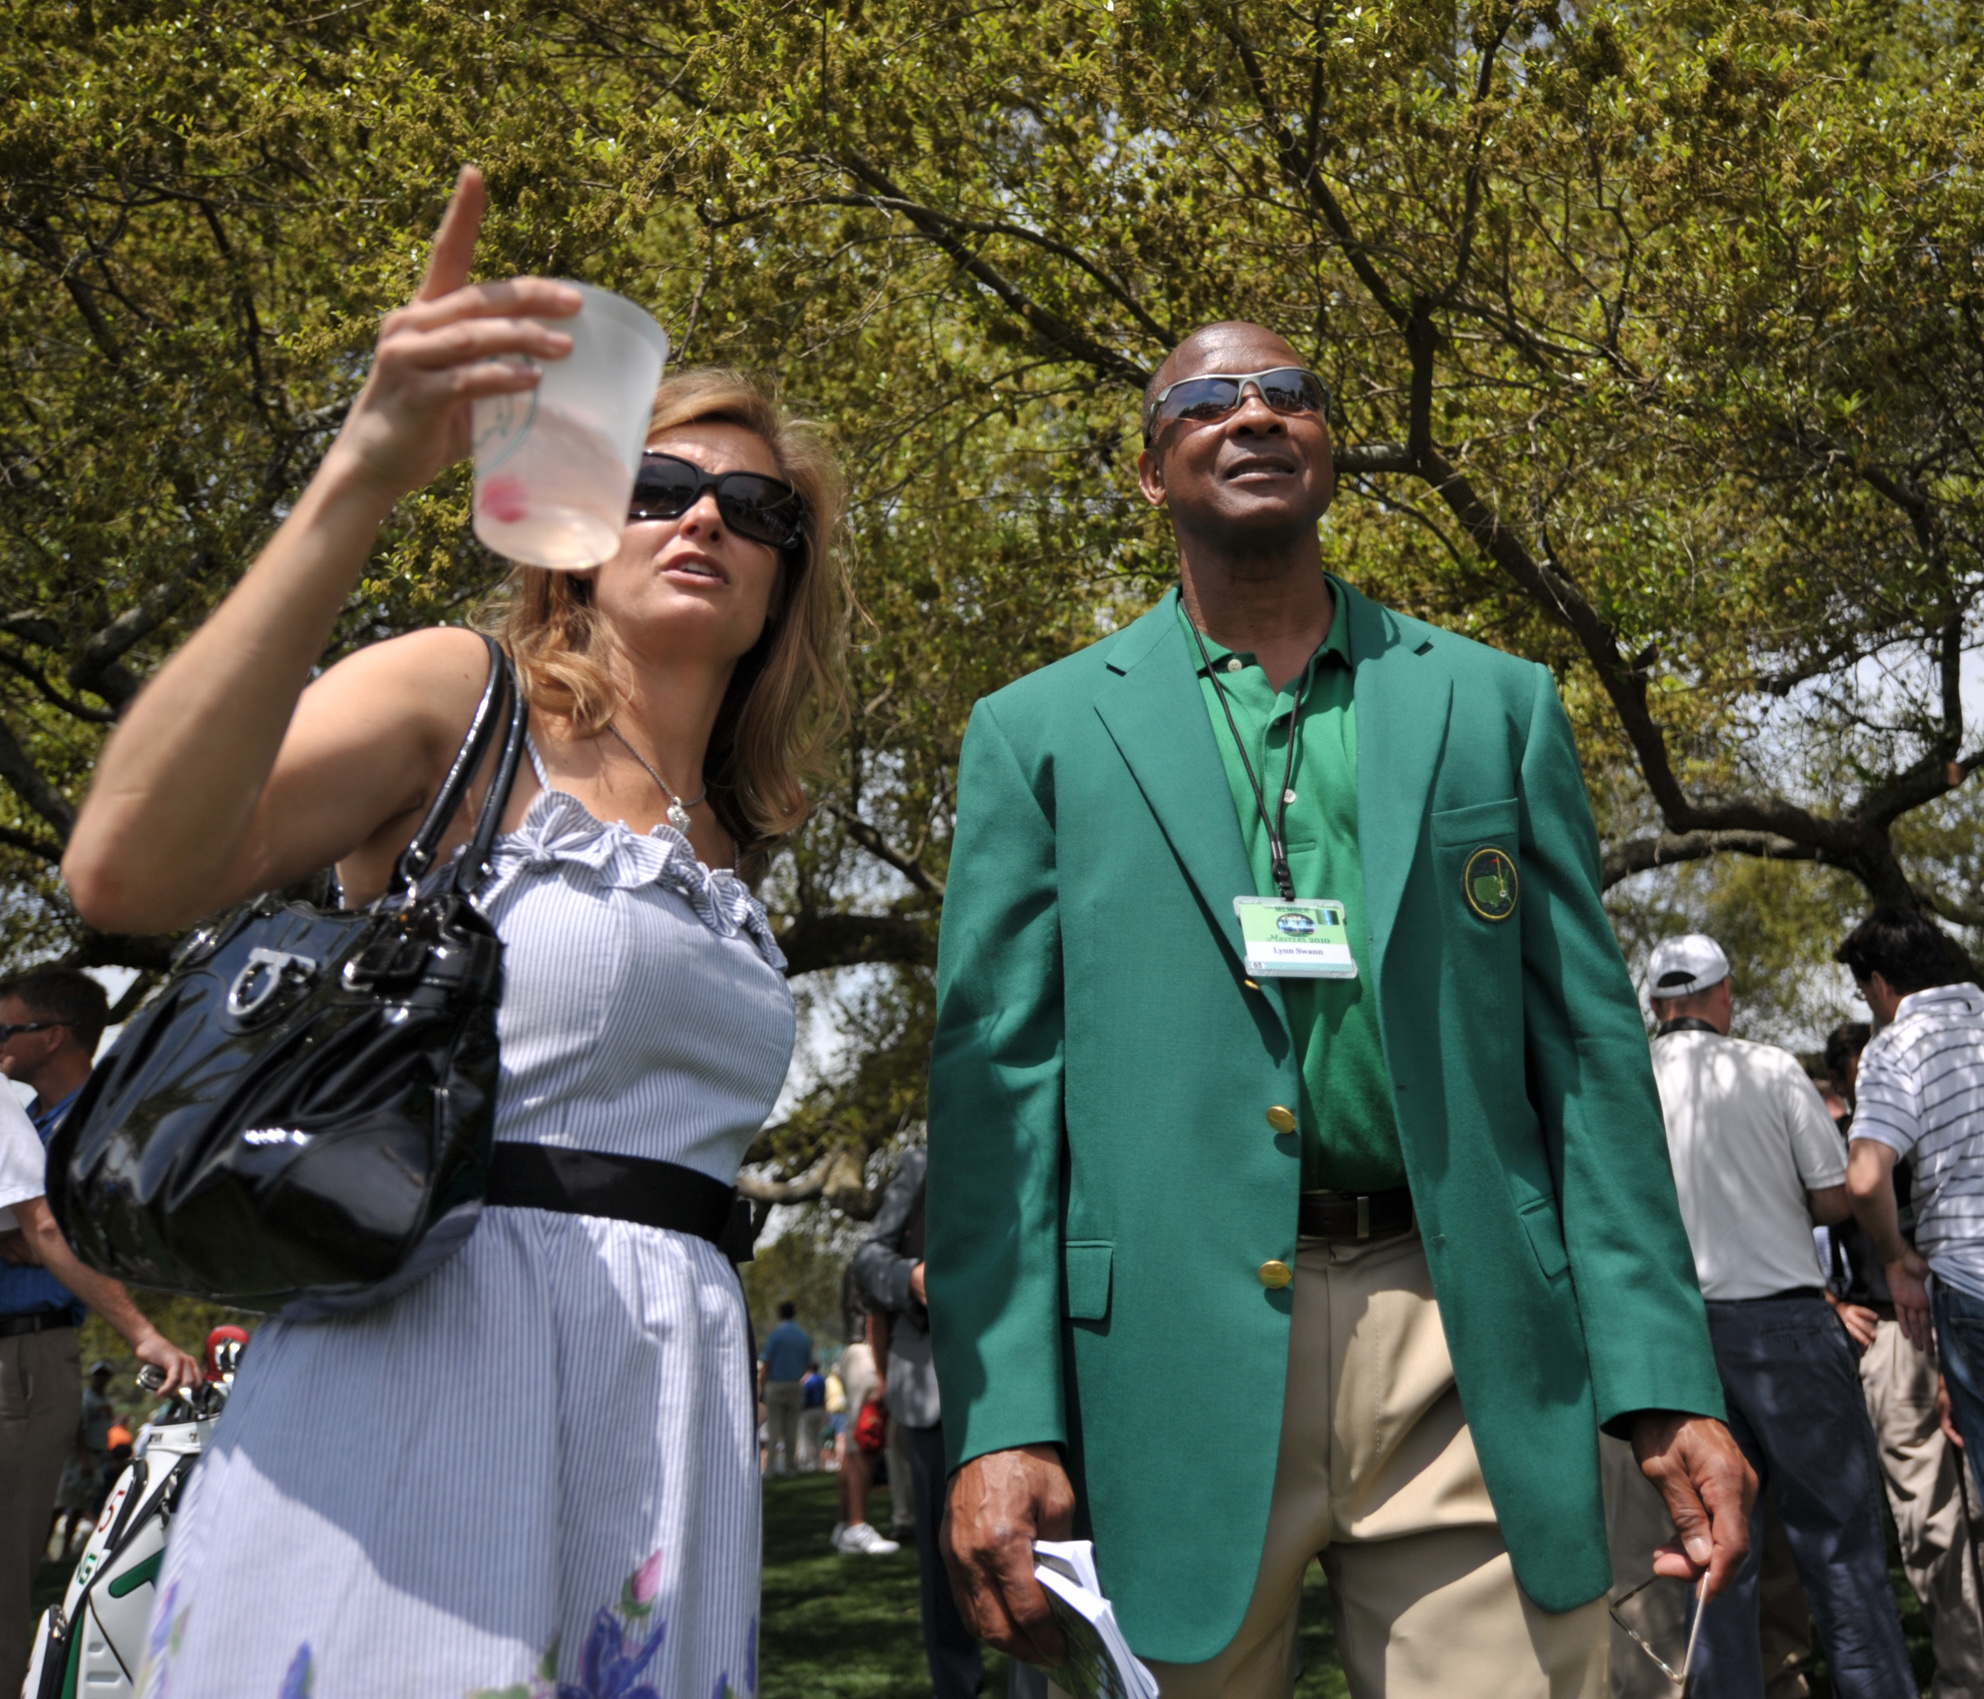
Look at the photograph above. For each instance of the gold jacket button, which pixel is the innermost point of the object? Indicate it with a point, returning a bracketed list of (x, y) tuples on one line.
[(1275, 1275), (1281, 1119)]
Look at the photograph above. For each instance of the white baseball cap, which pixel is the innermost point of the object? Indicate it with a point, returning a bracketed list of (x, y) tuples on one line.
[(1679, 967)]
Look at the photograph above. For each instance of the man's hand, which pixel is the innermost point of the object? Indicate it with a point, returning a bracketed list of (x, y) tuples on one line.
[(916, 1286), (17, 1248), (104, 1295), (1946, 1413), (1907, 1277), (178, 1368), (999, 1505), (1862, 1325), (1709, 1488), (1870, 1178)]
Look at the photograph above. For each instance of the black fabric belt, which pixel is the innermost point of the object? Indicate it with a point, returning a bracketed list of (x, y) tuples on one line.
[(42, 1321), (621, 1188), (1775, 1297), (1355, 1215)]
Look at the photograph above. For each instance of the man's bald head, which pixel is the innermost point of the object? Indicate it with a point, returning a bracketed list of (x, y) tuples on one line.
[(1232, 345)]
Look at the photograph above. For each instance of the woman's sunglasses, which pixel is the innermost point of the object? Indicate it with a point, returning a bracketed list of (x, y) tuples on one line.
[(767, 510), (1286, 389)]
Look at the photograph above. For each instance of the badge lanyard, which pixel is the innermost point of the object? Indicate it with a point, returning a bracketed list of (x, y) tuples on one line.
[(1277, 843)]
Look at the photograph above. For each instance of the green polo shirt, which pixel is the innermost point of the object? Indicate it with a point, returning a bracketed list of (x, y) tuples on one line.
[(1348, 1129)]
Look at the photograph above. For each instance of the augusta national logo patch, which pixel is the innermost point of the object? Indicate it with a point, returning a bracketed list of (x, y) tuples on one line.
[(1489, 884)]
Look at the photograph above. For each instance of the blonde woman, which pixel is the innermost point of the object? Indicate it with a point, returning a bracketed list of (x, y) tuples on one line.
[(533, 1473)]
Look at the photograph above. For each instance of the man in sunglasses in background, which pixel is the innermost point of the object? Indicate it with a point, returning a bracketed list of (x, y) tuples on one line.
[(1279, 1020), (50, 1021)]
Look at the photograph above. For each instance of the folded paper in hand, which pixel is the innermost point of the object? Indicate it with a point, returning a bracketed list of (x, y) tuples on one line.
[(1100, 1663)]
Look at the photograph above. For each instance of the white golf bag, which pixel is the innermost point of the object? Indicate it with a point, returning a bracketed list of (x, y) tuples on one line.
[(92, 1645)]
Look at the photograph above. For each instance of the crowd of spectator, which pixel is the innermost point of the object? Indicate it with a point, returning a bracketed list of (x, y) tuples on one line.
[(1837, 1226)]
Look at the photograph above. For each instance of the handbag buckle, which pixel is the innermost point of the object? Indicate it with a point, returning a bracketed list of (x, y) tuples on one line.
[(390, 958), (261, 980)]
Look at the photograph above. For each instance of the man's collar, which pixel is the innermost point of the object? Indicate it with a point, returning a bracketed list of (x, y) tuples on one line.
[(1959, 991), (1336, 645), (44, 1119)]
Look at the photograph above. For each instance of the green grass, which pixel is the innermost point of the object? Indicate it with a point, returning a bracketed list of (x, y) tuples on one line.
[(846, 1627)]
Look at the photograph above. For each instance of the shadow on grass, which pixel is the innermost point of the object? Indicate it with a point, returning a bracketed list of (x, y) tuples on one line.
[(846, 1627)]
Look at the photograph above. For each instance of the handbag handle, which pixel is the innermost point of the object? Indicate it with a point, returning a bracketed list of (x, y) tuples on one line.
[(473, 867), (418, 856)]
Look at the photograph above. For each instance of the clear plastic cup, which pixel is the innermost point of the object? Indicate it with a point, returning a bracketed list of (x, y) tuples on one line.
[(555, 465)]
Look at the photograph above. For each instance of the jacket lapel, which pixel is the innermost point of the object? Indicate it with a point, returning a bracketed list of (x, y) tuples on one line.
[(1402, 706), (1157, 717)]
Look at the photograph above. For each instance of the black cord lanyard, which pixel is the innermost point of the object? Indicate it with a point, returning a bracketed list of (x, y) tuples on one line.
[(1277, 842)]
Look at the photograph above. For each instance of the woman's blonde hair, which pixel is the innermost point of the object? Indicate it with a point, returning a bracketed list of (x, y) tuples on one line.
[(787, 698)]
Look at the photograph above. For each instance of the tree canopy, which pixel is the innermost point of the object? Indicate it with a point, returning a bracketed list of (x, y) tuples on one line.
[(1653, 328)]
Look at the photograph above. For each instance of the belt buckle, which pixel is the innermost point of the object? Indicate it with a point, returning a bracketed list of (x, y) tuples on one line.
[(1363, 1216)]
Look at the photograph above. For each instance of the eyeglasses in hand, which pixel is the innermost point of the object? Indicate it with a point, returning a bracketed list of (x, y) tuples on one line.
[(1678, 1676)]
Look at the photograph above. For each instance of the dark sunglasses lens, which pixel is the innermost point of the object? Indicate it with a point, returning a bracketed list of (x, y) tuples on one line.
[(663, 487), (761, 508), (1200, 399), (1292, 391)]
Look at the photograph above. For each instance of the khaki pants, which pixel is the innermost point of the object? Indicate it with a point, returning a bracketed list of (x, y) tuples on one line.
[(1923, 1473), (1378, 1478), (41, 1401), (783, 1399), (811, 1424)]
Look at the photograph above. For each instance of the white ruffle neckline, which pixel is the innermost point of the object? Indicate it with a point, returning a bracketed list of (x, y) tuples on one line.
[(558, 827)]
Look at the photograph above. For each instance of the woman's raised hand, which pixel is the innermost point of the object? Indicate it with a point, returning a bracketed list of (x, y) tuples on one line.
[(443, 350)]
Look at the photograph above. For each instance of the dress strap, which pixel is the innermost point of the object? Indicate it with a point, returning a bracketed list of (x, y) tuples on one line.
[(536, 761)]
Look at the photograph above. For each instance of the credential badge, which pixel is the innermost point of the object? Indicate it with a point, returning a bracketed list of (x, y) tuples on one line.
[(1489, 884)]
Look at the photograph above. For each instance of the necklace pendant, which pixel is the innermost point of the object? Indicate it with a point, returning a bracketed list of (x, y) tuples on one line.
[(678, 817)]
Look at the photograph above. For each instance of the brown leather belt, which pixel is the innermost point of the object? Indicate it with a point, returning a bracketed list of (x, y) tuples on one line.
[(1355, 1215)]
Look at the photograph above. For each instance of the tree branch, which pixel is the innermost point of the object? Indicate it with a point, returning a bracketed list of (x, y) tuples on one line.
[(1638, 855), (1053, 332), (47, 848), (26, 781), (882, 850), (802, 1189), (1305, 174), (837, 1178), (99, 670), (1117, 290), (812, 942)]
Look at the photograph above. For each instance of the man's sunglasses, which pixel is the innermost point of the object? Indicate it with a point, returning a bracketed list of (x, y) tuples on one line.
[(1213, 395), (8, 1031), (767, 510)]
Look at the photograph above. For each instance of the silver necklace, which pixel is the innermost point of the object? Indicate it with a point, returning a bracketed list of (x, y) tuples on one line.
[(678, 810)]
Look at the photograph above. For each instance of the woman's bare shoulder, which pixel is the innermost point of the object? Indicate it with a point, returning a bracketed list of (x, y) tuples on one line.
[(431, 678)]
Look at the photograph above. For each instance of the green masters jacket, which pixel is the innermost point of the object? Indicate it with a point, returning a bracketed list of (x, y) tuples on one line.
[(1103, 1185)]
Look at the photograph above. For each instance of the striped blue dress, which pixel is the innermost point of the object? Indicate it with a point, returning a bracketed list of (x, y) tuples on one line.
[(534, 1475)]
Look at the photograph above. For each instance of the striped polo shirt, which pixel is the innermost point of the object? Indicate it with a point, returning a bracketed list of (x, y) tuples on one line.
[(1922, 1093)]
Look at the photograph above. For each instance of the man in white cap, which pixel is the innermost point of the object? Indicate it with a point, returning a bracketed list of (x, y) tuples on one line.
[(1757, 1164)]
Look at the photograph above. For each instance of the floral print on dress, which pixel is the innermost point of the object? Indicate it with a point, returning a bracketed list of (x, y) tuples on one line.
[(619, 1648), (296, 1684), (168, 1630)]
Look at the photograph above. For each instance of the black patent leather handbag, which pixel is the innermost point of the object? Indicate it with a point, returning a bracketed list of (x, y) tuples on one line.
[(302, 1117)]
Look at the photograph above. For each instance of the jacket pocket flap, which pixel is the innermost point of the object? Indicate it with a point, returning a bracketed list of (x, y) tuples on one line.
[(1546, 1238), (1475, 824), (1087, 1263)]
